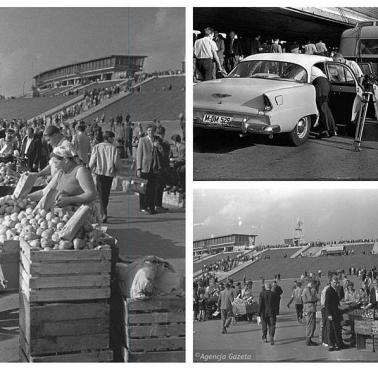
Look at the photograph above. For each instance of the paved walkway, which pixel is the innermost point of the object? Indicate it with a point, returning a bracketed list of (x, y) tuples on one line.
[(138, 234)]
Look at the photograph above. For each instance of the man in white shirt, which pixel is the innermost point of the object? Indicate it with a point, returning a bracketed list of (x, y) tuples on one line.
[(321, 47), (205, 51), (350, 63), (82, 144), (310, 48)]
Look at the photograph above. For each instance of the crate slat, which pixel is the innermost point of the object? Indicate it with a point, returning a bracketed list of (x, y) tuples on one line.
[(159, 303), (172, 330), (68, 255), (155, 344), (67, 294), (155, 317), (165, 356), (98, 280), (74, 327), (70, 343), (105, 355)]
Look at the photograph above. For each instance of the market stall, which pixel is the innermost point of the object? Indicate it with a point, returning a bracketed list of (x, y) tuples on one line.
[(243, 308)]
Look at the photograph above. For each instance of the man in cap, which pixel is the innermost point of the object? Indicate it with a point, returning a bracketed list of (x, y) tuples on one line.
[(54, 138)]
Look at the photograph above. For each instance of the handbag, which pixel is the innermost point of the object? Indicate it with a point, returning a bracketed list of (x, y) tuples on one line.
[(137, 185)]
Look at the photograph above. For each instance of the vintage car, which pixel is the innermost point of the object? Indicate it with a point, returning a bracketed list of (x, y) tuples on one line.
[(272, 94)]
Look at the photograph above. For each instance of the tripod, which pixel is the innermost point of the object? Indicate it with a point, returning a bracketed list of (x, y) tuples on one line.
[(362, 118)]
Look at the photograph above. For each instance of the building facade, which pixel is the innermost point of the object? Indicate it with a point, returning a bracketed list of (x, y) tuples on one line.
[(226, 243), (100, 69)]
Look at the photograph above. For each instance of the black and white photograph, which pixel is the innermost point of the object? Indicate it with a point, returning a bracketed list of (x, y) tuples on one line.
[(92, 184), (284, 273), (285, 93)]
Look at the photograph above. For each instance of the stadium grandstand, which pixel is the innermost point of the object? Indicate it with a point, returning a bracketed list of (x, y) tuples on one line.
[(226, 243), (111, 67)]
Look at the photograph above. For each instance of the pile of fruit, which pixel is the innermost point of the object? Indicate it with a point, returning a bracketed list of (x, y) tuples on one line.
[(19, 220), (8, 177)]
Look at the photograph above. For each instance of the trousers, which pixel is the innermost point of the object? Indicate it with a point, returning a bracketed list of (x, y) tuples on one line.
[(268, 322), (104, 185), (148, 200), (310, 325)]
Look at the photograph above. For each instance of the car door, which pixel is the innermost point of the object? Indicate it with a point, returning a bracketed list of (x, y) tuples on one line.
[(346, 93)]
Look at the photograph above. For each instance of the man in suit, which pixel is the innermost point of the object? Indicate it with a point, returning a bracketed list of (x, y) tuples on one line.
[(233, 51), (334, 316), (268, 312), (148, 166), (31, 150)]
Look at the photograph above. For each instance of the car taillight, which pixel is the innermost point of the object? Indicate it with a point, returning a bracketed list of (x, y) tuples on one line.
[(267, 104)]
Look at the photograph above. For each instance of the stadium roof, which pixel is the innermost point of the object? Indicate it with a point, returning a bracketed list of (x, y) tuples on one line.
[(222, 236), (369, 12), (89, 60)]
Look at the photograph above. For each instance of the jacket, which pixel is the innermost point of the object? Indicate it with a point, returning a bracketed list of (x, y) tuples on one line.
[(331, 304), (105, 160), (268, 304), (309, 299), (145, 155)]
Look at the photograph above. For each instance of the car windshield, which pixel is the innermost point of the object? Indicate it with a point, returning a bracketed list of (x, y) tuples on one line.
[(269, 69)]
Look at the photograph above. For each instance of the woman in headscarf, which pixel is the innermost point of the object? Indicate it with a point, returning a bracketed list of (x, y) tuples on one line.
[(73, 181), (327, 126)]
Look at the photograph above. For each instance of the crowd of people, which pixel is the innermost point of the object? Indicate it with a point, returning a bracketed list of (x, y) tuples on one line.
[(337, 296), (227, 263), (215, 55), (31, 145)]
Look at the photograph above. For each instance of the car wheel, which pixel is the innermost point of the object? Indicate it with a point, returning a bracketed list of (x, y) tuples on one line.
[(301, 131)]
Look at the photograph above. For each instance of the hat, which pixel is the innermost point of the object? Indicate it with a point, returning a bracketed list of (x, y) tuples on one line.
[(176, 138), (51, 130), (65, 152)]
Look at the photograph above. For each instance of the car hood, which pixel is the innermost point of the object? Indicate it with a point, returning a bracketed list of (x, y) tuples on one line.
[(237, 92)]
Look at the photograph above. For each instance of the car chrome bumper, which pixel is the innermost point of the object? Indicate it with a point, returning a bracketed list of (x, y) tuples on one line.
[(244, 126)]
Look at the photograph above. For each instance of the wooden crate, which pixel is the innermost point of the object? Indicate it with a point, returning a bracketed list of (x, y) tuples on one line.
[(52, 329), (154, 330), (363, 327), (64, 275)]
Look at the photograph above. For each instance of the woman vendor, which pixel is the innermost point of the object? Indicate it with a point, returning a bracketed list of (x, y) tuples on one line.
[(73, 182)]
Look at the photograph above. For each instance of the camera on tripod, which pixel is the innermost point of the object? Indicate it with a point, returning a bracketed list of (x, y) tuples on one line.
[(368, 82)]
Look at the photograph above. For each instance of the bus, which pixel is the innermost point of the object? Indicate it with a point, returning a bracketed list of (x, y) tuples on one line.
[(361, 45)]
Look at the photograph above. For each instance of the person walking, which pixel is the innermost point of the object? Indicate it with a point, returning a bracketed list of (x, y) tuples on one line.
[(278, 290), (296, 297), (268, 313), (225, 299), (82, 143), (309, 299), (105, 163)]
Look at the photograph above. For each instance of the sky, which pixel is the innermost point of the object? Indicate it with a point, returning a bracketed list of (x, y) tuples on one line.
[(33, 40), (327, 214)]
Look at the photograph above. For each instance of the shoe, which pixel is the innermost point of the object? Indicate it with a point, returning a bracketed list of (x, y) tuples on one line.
[(104, 220), (331, 349), (272, 342), (311, 343), (224, 331), (160, 208), (152, 211), (143, 210), (264, 339)]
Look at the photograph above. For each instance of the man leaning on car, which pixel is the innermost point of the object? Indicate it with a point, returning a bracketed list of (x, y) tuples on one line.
[(205, 51)]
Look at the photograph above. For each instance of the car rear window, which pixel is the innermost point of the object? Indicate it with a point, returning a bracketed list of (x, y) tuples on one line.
[(268, 69)]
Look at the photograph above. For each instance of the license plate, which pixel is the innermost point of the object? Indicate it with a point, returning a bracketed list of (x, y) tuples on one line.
[(215, 119)]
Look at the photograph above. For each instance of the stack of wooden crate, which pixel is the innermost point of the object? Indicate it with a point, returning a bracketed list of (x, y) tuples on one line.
[(64, 305), (153, 330)]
